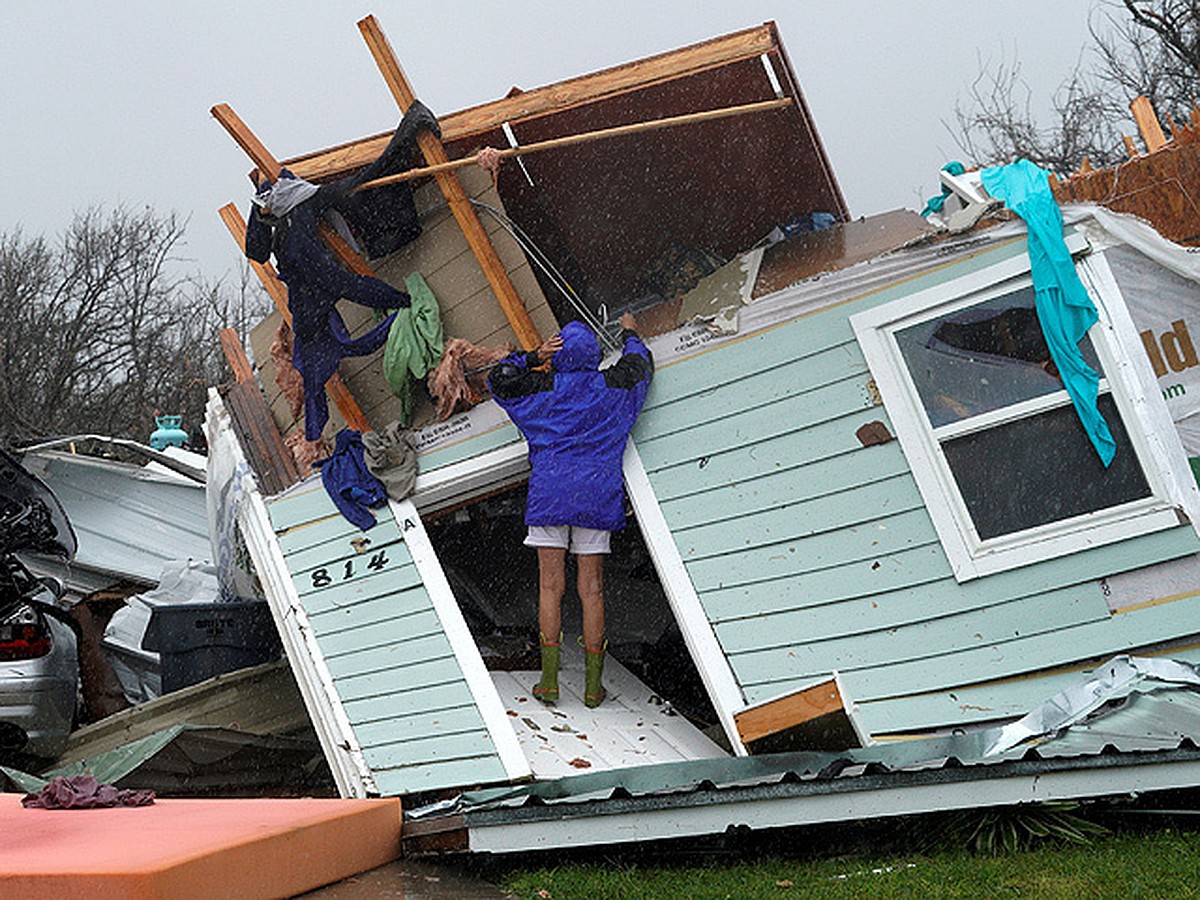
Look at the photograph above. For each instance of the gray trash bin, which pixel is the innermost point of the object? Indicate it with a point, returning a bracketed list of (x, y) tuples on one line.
[(196, 641)]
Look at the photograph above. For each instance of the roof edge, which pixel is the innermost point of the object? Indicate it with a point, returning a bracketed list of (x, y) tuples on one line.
[(555, 97)]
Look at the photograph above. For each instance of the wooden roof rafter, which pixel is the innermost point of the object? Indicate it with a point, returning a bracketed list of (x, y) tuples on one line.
[(749, 43)]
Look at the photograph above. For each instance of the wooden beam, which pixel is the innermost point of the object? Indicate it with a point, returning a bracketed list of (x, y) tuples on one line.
[(773, 716), (335, 387), (1148, 124), (245, 139), (452, 189), (817, 717), (584, 137), (235, 353), (269, 456), (525, 105)]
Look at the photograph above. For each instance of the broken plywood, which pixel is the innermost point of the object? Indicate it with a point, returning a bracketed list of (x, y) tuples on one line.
[(837, 247), (817, 717)]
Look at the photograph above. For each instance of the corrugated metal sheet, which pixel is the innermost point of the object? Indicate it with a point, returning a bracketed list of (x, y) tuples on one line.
[(1143, 737), (129, 520), (810, 552)]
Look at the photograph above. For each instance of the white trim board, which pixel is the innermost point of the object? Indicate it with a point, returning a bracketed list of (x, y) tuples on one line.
[(839, 804), (698, 634), (334, 732), (466, 651)]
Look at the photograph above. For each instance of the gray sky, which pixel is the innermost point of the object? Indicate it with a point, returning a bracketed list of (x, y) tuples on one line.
[(107, 102)]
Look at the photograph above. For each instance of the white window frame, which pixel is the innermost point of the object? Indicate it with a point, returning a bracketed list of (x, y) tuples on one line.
[(969, 555)]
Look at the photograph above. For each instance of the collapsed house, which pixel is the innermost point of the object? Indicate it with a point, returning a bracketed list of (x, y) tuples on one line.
[(867, 529)]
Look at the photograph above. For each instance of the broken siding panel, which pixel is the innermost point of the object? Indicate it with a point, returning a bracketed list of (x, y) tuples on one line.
[(1089, 640), (975, 698), (815, 457), (866, 649), (981, 701), (383, 644)]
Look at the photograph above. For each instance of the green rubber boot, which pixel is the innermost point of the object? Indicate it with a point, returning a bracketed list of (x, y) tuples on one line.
[(546, 690), (593, 691)]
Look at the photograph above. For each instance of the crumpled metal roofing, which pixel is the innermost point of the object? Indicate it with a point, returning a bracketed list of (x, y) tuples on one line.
[(1145, 709)]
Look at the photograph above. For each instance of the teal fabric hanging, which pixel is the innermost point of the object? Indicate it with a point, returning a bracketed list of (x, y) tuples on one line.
[(414, 344), (935, 204), (1064, 308)]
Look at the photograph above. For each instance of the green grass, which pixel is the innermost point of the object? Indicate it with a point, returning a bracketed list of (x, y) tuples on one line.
[(1156, 863)]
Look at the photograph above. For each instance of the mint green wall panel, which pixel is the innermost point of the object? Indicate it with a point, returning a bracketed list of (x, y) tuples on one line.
[(381, 641), (990, 627), (894, 572), (757, 388), (810, 552), (380, 610), (980, 702), (429, 749), (813, 616), (432, 776), (1040, 651), (448, 720), (872, 542), (831, 478), (350, 659), (837, 518), (423, 673), (402, 702), (707, 437), (469, 448)]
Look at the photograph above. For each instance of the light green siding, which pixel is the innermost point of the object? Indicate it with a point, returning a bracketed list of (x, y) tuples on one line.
[(382, 642), (810, 552)]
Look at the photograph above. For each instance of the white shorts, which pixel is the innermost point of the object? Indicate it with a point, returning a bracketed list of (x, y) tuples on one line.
[(580, 541)]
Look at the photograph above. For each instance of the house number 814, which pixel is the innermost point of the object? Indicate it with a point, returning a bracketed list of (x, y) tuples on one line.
[(322, 577)]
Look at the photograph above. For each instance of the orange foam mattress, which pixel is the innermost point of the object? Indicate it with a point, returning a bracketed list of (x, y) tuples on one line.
[(192, 848)]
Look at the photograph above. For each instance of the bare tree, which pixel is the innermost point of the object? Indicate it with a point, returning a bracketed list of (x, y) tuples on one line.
[(100, 333), (1138, 48)]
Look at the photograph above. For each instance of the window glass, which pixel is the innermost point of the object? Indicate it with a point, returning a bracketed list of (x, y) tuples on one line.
[(981, 358), (1042, 469)]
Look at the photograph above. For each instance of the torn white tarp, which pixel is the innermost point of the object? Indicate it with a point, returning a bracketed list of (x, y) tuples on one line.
[(1119, 677), (1160, 282), (229, 478)]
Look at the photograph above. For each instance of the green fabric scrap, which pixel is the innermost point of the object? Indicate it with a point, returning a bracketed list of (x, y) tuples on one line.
[(414, 344)]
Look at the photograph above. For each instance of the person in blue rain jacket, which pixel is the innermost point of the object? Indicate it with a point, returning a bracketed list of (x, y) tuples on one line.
[(575, 418)]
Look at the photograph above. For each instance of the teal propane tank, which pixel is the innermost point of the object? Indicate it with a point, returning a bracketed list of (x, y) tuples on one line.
[(168, 433)]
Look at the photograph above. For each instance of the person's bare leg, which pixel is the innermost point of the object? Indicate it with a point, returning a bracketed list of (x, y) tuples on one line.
[(552, 582), (591, 598)]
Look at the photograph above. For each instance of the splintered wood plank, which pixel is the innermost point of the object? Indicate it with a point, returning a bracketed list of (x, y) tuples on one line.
[(273, 463), (1148, 124), (460, 205), (788, 711), (235, 353)]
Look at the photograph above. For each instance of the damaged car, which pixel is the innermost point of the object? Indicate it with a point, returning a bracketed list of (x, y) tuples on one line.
[(39, 667)]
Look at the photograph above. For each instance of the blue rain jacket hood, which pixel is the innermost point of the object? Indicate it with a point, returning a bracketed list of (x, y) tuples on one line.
[(575, 420)]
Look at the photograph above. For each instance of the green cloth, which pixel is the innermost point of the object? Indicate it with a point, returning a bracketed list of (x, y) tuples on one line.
[(414, 344)]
